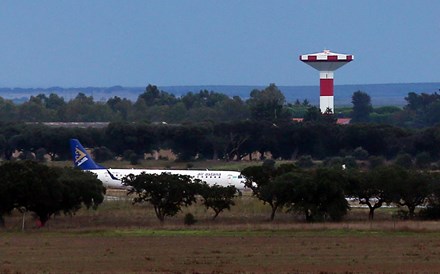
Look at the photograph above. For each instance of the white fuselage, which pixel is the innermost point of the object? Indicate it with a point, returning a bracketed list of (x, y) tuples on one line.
[(112, 177)]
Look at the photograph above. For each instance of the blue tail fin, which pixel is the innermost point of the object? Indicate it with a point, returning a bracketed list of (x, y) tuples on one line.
[(82, 159)]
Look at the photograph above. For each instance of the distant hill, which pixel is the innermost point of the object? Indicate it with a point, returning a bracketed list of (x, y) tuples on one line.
[(381, 94)]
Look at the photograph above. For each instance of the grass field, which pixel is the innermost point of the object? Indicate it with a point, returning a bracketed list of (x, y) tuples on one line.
[(122, 238), (168, 164)]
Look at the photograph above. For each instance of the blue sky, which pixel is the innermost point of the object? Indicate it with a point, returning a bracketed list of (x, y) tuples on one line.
[(203, 42)]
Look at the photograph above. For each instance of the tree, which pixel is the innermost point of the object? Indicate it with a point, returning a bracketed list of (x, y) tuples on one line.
[(167, 193), (361, 107), (153, 96), (83, 109), (121, 107), (267, 104), (187, 141), (432, 209), (320, 194), (7, 190), (267, 187), (368, 188), (412, 190), (49, 190), (102, 154), (217, 197), (312, 114)]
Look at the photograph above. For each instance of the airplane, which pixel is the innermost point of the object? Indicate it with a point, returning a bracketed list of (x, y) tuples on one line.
[(111, 178)]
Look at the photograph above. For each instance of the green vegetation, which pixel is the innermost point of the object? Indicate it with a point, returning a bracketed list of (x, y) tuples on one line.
[(46, 191), (206, 127), (268, 104), (167, 193)]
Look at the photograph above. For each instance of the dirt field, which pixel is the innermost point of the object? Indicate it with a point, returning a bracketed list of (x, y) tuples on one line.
[(121, 238), (193, 251)]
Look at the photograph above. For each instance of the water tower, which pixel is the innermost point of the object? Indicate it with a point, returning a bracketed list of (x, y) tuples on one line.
[(326, 62)]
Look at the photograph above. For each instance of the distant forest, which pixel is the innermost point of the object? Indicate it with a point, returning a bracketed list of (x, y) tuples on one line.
[(267, 104), (211, 125)]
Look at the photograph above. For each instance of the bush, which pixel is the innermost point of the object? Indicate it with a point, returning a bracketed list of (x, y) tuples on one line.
[(26, 155), (350, 162), (126, 155), (360, 154), (305, 161), (102, 154), (423, 160), (333, 162), (134, 159), (404, 160), (39, 154), (189, 219), (431, 212), (269, 163), (401, 215), (376, 161)]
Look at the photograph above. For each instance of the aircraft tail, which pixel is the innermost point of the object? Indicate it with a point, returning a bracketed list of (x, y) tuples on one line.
[(82, 159)]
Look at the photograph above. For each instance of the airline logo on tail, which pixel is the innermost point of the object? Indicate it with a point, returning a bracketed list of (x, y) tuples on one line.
[(80, 157)]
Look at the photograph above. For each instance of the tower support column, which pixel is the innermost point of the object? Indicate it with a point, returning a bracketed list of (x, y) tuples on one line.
[(326, 98)]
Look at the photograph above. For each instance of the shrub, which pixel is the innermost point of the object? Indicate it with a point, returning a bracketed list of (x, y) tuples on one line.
[(360, 154), (40, 153), (431, 212), (189, 219), (305, 161), (376, 161), (334, 162), (134, 159), (350, 162), (269, 163), (102, 154), (404, 160), (423, 160)]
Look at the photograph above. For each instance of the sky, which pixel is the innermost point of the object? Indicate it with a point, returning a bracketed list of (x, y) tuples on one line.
[(132, 43)]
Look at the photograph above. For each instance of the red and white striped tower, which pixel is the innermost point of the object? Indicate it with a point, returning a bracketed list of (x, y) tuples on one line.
[(326, 62)]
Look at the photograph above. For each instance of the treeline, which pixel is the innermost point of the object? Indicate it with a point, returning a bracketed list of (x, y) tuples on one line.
[(28, 186), (230, 141), (422, 110), (318, 194), (321, 194), (268, 104), (153, 105)]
